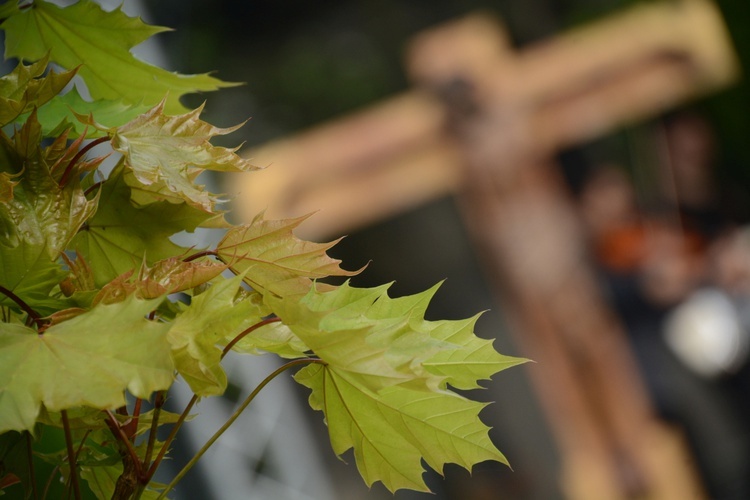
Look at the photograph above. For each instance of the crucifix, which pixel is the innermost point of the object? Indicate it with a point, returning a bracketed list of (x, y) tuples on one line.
[(484, 123)]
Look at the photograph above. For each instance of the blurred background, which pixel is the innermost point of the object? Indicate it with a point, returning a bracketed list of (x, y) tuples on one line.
[(667, 244)]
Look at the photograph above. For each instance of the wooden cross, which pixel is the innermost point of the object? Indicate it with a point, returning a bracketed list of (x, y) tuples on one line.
[(485, 124)]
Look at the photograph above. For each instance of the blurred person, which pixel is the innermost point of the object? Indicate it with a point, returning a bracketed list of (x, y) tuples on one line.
[(680, 281)]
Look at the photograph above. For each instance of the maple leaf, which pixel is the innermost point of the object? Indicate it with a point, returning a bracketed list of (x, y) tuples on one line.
[(474, 359), (166, 276), (25, 88), (31, 275), (274, 337), (89, 360), (467, 360), (120, 236), (383, 385), (83, 34), (213, 317), (344, 328), (61, 113), (273, 259), (169, 152), (393, 429), (40, 211)]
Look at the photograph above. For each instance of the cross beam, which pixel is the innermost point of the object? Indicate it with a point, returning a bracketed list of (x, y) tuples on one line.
[(395, 155)]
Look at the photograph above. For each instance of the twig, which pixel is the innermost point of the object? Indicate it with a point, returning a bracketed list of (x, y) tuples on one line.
[(32, 471), (198, 255), (114, 426), (35, 316), (235, 415), (71, 455)]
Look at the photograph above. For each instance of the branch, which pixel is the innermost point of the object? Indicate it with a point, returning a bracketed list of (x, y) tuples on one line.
[(235, 415), (158, 403), (32, 470), (198, 255), (71, 455), (35, 316), (114, 426)]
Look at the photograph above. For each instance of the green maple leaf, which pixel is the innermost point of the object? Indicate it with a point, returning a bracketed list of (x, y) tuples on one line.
[(393, 429), (277, 338), (474, 359), (25, 88), (40, 211), (89, 360), (61, 112), (273, 259), (120, 236), (31, 275), (85, 35), (344, 328), (169, 152), (212, 318), (469, 358), (383, 386)]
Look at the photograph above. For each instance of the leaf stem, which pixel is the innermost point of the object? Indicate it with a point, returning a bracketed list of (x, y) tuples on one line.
[(88, 147), (33, 315), (246, 332), (92, 187), (114, 426), (198, 255), (47, 486), (71, 455), (32, 471), (158, 403), (235, 415), (165, 447)]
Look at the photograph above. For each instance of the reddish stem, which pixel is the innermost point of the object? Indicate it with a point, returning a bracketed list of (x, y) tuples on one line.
[(114, 426), (88, 147), (35, 317), (92, 187), (158, 403), (71, 455), (198, 255), (194, 399)]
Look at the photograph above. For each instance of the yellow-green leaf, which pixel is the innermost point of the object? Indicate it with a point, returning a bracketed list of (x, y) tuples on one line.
[(171, 151), (89, 360), (25, 88), (120, 236), (274, 337), (393, 429), (212, 317), (275, 260), (62, 111), (31, 275), (351, 332), (83, 34), (384, 384)]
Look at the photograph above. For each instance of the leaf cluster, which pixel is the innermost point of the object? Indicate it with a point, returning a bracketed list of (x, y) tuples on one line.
[(102, 311)]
